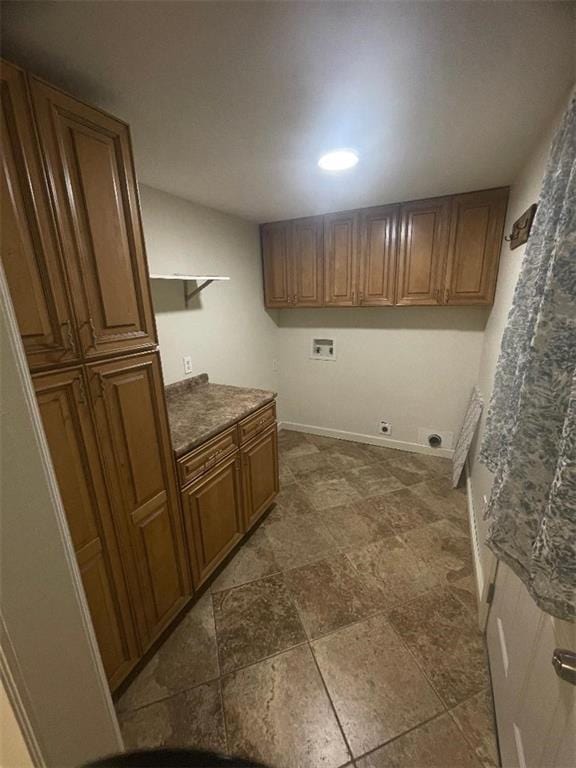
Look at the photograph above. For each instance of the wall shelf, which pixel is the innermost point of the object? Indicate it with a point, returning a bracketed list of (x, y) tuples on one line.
[(202, 280)]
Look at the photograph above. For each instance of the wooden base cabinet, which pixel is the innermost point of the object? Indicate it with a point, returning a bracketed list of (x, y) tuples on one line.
[(65, 412), (212, 510), (132, 426), (260, 475)]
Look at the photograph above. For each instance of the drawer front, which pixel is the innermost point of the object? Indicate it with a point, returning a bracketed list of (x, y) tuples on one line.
[(202, 459), (252, 425)]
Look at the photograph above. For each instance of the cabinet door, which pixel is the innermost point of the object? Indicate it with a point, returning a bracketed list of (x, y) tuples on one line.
[(340, 258), (90, 166), (67, 423), (276, 264), (423, 248), (307, 261), (132, 426), (213, 517), (378, 244), (29, 245), (260, 475), (475, 243)]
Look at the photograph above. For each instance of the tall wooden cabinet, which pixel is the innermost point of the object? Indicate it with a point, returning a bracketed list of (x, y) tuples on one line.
[(73, 253)]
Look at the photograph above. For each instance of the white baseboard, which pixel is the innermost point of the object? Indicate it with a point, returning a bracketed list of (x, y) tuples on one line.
[(356, 437)]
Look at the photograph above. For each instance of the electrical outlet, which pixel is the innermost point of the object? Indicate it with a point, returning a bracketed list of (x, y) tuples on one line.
[(385, 428), (187, 360), (275, 365)]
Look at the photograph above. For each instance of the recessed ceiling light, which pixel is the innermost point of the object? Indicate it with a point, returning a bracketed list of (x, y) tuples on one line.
[(338, 160)]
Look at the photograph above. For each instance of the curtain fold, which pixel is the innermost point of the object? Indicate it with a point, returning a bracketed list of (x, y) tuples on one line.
[(530, 438)]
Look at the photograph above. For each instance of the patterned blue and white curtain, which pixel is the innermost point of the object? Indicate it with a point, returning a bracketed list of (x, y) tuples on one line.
[(530, 438)]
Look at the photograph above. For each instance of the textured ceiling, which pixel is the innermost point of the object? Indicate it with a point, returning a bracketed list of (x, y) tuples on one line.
[(231, 104)]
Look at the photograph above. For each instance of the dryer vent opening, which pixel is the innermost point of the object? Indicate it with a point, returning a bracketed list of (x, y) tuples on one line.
[(434, 441)]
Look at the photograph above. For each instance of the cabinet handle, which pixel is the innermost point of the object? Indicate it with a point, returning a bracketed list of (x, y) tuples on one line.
[(81, 395), (446, 295), (67, 328), (213, 456), (92, 331), (101, 384)]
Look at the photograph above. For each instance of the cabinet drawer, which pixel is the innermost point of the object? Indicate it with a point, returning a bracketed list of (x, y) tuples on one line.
[(252, 425), (208, 455)]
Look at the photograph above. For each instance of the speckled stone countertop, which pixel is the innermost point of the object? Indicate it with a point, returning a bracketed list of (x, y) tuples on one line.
[(198, 410)]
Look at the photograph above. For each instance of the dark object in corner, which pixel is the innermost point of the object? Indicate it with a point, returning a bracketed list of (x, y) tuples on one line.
[(521, 228), (172, 758)]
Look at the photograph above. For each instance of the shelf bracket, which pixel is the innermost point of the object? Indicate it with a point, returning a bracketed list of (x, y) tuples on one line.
[(190, 294)]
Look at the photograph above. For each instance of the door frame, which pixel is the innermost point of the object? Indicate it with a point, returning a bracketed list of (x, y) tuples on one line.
[(44, 685)]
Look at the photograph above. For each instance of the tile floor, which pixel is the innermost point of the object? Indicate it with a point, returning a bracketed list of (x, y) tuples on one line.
[(342, 633)]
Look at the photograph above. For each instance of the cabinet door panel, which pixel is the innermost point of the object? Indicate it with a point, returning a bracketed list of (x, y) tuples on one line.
[(92, 175), (275, 264), (340, 258), (72, 442), (213, 516), (132, 425), (423, 249), (307, 261), (378, 243), (29, 245), (476, 240), (260, 475)]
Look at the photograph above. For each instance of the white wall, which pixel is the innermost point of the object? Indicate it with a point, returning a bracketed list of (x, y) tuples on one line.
[(413, 366), (524, 192), (226, 329)]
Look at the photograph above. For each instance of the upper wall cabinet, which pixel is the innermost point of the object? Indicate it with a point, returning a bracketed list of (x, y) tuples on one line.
[(475, 240), (275, 249), (424, 236), (426, 252), (91, 173), (29, 244), (378, 239), (293, 256), (340, 259), (307, 262)]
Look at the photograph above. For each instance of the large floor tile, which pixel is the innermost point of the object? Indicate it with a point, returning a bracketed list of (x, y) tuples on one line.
[(393, 572), (298, 538), (252, 561), (438, 493), (376, 688), (373, 480), (254, 621), (402, 510), (445, 547), (347, 455), (329, 594), (465, 590), (310, 463), (444, 637), (189, 656), (436, 744), (475, 718), (328, 489), (293, 444), (278, 712), (190, 719), (293, 499), (353, 524)]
